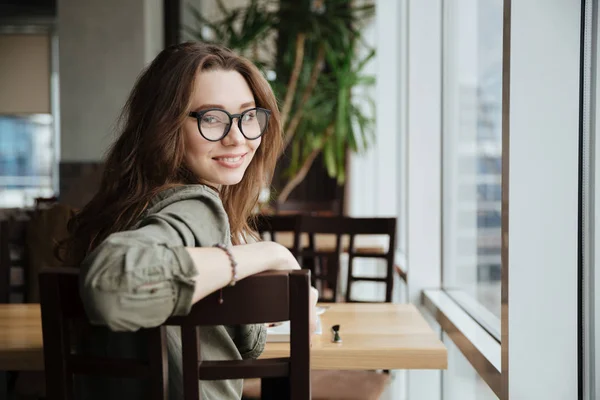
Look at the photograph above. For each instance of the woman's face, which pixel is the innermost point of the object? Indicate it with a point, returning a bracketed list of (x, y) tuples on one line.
[(225, 161)]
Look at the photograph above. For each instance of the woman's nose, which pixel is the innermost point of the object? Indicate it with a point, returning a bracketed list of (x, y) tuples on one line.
[(234, 136)]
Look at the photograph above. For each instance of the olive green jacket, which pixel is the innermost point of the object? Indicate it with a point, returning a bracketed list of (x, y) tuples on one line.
[(140, 277)]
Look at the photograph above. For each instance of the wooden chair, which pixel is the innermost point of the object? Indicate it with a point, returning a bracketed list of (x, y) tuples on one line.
[(267, 297), (324, 265), (332, 385), (13, 257), (342, 385), (370, 226), (13, 266), (352, 227)]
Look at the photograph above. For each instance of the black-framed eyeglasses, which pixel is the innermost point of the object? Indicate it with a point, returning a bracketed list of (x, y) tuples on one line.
[(214, 123)]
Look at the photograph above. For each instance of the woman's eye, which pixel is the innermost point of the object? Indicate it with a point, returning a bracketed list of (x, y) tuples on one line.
[(249, 116), (209, 119)]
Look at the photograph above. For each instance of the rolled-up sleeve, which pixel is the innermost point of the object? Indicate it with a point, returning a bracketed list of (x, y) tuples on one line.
[(137, 279)]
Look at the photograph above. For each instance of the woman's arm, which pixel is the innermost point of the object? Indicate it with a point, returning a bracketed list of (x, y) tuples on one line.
[(139, 278), (214, 268)]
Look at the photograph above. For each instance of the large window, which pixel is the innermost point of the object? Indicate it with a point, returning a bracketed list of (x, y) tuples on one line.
[(510, 118), (472, 150), (28, 115)]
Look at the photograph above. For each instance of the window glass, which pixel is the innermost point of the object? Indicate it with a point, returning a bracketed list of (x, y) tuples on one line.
[(472, 148), (26, 159)]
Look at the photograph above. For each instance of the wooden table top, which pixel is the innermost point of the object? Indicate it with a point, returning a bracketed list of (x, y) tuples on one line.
[(21, 345), (375, 336), (324, 242)]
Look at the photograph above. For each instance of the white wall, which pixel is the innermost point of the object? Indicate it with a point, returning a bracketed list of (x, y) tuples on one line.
[(543, 200), (209, 9), (374, 174), (104, 44)]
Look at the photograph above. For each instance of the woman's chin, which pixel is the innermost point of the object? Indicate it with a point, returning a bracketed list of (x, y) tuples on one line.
[(229, 179)]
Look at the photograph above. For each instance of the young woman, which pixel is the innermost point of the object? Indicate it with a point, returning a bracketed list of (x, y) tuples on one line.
[(200, 137)]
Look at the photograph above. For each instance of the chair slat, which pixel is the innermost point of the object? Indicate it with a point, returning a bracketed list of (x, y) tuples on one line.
[(243, 369), (251, 300), (364, 254), (116, 367), (368, 278)]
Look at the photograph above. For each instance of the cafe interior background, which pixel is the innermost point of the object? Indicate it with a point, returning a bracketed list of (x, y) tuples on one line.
[(480, 139)]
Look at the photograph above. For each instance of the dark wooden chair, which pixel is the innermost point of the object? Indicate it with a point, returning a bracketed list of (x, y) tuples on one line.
[(351, 384), (370, 226), (13, 267), (341, 385), (352, 227), (267, 297), (324, 264), (13, 257)]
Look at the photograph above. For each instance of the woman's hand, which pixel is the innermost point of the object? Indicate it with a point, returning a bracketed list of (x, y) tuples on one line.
[(290, 262)]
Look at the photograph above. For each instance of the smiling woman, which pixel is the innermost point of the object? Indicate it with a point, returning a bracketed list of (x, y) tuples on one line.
[(218, 151), (170, 222)]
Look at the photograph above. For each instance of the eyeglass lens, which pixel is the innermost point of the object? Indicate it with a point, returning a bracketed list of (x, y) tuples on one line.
[(215, 123)]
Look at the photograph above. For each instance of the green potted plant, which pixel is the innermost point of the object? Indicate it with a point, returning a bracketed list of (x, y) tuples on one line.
[(309, 51)]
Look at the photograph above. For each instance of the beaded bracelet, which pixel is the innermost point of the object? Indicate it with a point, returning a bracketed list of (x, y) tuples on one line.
[(233, 268)]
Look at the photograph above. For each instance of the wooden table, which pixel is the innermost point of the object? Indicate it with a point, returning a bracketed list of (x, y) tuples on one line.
[(21, 346), (375, 336), (324, 242)]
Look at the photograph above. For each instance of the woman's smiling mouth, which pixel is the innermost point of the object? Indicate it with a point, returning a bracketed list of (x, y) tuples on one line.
[(230, 160)]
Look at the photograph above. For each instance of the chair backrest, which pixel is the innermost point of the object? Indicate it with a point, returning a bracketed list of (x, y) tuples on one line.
[(27, 240), (324, 264), (267, 297), (41, 202), (352, 227), (317, 208)]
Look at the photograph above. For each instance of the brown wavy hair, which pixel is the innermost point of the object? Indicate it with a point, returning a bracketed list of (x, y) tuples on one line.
[(148, 155)]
